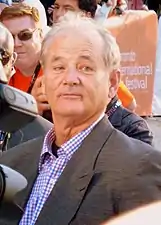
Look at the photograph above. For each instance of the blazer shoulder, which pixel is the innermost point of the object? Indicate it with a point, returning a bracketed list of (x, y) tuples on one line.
[(126, 161), (122, 149)]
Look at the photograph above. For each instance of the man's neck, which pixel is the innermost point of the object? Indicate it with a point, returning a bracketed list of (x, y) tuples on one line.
[(66, 129), (27, 71)]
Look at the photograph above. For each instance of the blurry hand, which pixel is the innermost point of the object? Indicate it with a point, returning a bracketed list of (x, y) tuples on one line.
[(145, 7), (50, 9), (38, 92)]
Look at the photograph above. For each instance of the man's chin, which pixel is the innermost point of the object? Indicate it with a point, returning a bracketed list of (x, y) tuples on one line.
[(72, 113), (21, 64)]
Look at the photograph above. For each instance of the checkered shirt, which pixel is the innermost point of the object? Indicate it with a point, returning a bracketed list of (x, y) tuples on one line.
[(50, 168)]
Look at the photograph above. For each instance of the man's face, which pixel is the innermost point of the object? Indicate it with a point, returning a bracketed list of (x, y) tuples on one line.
[(63, 6), (76, 81), (28, 51)]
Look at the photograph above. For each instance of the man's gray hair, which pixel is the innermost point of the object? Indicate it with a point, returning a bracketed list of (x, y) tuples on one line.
[(111, 54)]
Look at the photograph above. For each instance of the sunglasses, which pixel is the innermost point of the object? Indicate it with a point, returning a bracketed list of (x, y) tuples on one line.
[(25, 35), (4, 56)]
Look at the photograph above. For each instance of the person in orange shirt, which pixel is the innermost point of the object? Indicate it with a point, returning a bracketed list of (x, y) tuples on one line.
[(126, 97), (23, 83), (24, 24)]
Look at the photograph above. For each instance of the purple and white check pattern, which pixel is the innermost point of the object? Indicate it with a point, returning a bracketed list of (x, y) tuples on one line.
[(50, 168)]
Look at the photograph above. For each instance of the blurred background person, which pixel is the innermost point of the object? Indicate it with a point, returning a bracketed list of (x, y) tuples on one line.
[(126, 97), (61, 7), (23, 22), (48, 5), (38, 5), (128, 122), (34, 129), (111, 8)]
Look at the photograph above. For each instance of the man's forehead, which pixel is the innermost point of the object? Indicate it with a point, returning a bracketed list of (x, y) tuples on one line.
[(67, 2), (77, 37), (80, 45), (19, 23)]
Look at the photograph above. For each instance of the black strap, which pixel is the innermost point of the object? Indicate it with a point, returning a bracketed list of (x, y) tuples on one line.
[(34, 77)]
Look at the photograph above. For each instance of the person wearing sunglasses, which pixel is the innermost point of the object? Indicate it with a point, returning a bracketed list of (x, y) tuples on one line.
[(23, 21), (39, 126)]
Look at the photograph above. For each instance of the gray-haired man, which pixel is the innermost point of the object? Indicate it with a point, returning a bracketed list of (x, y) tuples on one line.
[(83, 171)]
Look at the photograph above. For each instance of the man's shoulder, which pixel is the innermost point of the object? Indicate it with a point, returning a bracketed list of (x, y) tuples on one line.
[(25, 152), (122, 151), (124, 143), (125, 159)]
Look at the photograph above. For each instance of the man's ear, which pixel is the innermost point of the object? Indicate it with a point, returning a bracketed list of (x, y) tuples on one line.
[(114, 80), (14, 58)]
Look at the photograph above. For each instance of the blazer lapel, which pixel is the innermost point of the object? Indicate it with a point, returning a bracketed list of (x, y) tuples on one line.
[(69, 191)]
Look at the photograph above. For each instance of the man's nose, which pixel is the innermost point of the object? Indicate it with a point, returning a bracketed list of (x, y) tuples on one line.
[(71, 77), (17, 41)]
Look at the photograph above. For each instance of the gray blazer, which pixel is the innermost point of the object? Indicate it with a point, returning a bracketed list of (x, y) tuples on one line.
[(109, 174)]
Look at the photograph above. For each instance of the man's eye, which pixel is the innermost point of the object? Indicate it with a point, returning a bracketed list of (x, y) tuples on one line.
[(58, 68), (69, 9), (85, 69)]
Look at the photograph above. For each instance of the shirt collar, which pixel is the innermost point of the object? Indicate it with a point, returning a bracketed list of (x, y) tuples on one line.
[(68, 147)]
